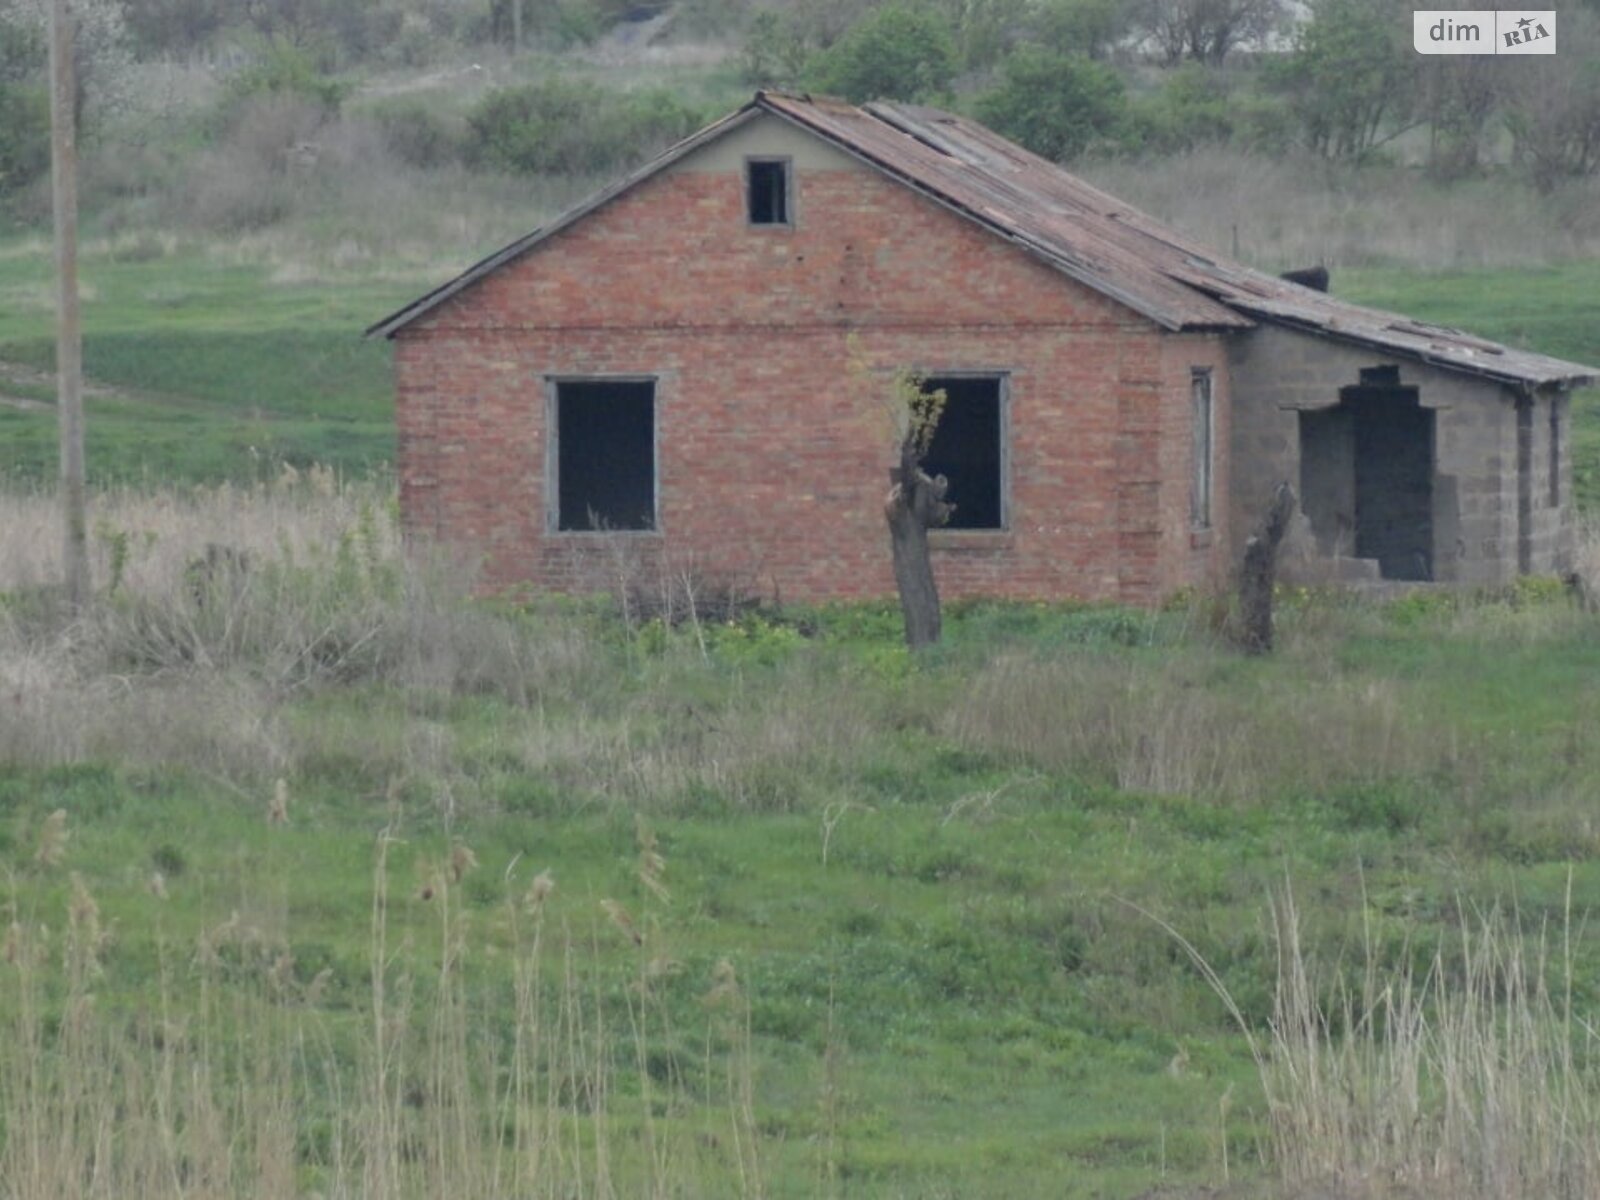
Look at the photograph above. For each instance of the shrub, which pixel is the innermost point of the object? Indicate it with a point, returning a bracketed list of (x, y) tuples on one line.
[(899, 52), (774, 51), (286, 71), (419, 136), (566, 126), (24, 135), (1192, 108), (244, 181), (1056, 105)]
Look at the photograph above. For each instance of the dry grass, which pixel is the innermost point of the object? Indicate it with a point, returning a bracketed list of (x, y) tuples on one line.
[(398, 1095), (1296, 211), (1586, 562), (162, 531), (218, 605), (1165, 729), (1466, 1077), (196, 655)]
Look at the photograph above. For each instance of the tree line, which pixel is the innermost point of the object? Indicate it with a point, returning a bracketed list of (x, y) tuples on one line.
[(1334, 78)]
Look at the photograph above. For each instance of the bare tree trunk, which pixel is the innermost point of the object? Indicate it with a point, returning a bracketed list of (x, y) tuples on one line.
[(916, 504), (1260, 572)]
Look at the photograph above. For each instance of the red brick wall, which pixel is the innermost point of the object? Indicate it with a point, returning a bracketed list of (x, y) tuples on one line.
[(771, 460)]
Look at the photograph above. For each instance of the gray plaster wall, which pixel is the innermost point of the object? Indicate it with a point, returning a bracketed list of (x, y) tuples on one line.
[(1487, 524)]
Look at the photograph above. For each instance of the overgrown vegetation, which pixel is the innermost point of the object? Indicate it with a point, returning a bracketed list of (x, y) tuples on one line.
[(320, 876), (201, 115), (760, 903)]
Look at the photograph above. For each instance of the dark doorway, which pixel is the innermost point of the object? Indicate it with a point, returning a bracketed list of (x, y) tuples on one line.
[(605, 454), (1366, 478), (966, 449)]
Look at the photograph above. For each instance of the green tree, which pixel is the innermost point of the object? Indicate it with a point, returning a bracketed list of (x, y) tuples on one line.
[(1087, 27), (102, 54), (566, 126), (1350, 77), (1205, 30), (986, 30), (1553, 113), (1054, 104), (775, 49), (174, 26), (1457, 94), (897, 52)]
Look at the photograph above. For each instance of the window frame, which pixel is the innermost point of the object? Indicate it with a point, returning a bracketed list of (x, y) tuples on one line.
[(1002, 377), (1202, 466), (789, 190), (552, 454)]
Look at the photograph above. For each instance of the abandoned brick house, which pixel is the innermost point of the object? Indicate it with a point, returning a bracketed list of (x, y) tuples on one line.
[(670, 366)]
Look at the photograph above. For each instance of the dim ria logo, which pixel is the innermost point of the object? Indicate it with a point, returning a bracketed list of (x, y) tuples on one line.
[(1484, 31)]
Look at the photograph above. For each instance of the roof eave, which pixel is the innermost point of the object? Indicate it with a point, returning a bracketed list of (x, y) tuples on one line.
[(1578, 376)]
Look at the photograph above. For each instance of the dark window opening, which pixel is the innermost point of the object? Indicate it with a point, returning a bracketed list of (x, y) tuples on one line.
[(966, 449), (605, 455), (1201, 418), (1555, 453), (1366, 478), (768, 191)]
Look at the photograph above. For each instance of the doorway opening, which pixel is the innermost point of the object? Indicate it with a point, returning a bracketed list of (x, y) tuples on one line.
[(1367, 474)]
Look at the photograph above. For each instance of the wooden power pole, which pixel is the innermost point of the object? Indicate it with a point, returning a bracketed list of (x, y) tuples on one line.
[(69, 339)]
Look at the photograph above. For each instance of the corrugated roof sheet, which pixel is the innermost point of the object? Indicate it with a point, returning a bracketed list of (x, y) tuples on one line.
[(1085, 233)]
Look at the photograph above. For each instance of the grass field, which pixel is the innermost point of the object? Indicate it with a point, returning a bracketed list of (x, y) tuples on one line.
[(938, 883), (214, 370)]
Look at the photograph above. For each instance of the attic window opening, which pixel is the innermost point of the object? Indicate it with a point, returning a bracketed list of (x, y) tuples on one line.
[(968, 448), (604, 451), (767, 191)]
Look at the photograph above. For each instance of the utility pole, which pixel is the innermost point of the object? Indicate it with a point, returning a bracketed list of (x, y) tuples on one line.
[(69, 339), (516, 28)]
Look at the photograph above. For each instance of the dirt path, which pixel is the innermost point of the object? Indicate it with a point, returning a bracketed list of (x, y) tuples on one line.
[(15, 378)]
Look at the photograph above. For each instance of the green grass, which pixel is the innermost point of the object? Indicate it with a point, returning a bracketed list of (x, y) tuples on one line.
[(947, 924), (218, 372)]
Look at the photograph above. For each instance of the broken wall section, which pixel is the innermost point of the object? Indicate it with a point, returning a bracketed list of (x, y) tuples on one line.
[(1492, 511)]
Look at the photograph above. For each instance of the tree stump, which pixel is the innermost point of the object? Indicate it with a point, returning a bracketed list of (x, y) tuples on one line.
[(916, 504), (1259, 573)]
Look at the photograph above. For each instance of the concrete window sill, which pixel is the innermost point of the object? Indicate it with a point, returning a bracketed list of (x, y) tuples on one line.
[(602, 534), (975, 540), (1201, 539)]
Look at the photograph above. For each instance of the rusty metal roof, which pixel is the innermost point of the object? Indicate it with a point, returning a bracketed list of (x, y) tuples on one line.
[(1085, 233)]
